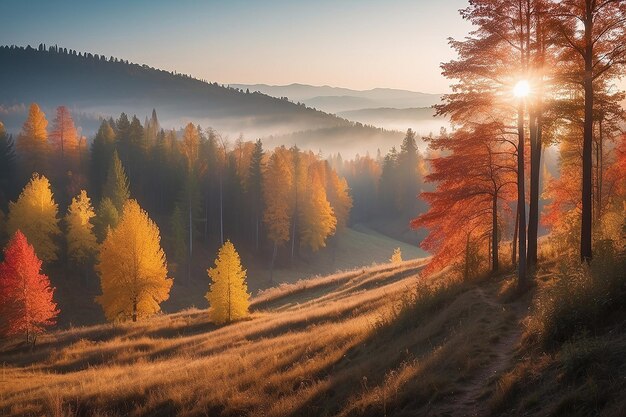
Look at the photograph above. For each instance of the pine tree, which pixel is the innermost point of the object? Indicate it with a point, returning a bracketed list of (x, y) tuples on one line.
[(318, 219), (81, 241), (133, 268), (64, 138), (102, 150), (107, 218), (116, 186), (35, 214), (8, 167), (396, 258), (32, 142), (228, 293), (255, 187), (26, 304)]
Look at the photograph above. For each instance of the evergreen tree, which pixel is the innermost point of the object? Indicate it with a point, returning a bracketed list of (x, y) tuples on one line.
[(255, 188), (8, 167), (116, 186), (106, 218), (228, 293), (102, 150)]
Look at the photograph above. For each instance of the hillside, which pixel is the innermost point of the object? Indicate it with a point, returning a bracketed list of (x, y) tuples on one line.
[(372, 342), (94, 86)]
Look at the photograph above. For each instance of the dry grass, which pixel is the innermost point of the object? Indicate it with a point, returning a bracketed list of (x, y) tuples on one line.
[(374, 342)]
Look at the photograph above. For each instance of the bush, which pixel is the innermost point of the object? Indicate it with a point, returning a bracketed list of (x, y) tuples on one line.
[(578, 298)]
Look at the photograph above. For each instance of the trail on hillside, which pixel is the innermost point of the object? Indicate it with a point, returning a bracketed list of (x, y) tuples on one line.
[(472, 399)]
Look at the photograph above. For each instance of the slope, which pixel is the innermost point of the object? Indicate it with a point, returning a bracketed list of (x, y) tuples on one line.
[(373, 342)]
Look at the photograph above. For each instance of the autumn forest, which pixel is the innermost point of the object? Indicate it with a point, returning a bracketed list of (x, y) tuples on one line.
[(162, 230)]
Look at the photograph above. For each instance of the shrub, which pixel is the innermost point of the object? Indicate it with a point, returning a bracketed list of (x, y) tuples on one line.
[(577, 299)]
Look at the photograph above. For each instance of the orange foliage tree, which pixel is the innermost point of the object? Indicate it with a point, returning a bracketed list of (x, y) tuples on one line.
[(32, 142), (475, 175), (26, 304)]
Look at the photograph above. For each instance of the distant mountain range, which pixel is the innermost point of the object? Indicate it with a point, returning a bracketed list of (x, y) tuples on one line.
[(93, 87), (387, 108), (337, 99)]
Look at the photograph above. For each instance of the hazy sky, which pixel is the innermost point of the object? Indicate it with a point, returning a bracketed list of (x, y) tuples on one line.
[(358, 44)]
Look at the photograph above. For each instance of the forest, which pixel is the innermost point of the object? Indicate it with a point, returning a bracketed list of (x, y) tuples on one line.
[(166, 255)]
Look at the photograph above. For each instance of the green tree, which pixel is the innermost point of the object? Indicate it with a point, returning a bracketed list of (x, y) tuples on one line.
[(116, 186)]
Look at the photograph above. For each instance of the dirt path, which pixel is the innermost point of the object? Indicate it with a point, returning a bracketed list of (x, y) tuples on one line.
[(472, 399)]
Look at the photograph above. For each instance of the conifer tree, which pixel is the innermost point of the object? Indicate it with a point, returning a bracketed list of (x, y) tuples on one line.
[(26, 304), (106, 218), (8, 167), (81, 241), (133, 268), (116, 186), (63, 138), (228, 292), (255, 187), (32, 142), (35, 214), (102, 150)]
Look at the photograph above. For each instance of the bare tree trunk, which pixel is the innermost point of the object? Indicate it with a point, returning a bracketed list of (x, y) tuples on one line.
[(514, 246), (521, 198), (535, 168), (494, 234), (585, 232)]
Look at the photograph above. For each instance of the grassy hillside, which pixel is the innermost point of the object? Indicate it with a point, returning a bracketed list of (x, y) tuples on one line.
[(353, 248), (378, 341)]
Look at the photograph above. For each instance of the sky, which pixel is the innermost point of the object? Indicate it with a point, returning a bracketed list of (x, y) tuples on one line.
[(358, 44)]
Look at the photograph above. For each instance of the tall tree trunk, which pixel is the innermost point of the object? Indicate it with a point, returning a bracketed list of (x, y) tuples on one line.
[(585, 231), (494, 234), (514, 246), (221, 211), (467, 249), (521, 198), (535, 171), (599, 168), (274, 253)]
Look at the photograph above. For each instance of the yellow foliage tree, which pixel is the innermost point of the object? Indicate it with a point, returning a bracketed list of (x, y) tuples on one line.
[(318, 218), (339, 196), (32, 142), (132, 267), (228, 293), (81, 241), (35, 214), (396, 258)]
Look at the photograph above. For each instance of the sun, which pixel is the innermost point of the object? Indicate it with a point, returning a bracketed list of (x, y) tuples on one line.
[(521, 89)]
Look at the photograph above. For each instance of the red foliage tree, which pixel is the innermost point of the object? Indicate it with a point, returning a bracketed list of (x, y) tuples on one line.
[(26, 305), (475, 174)]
